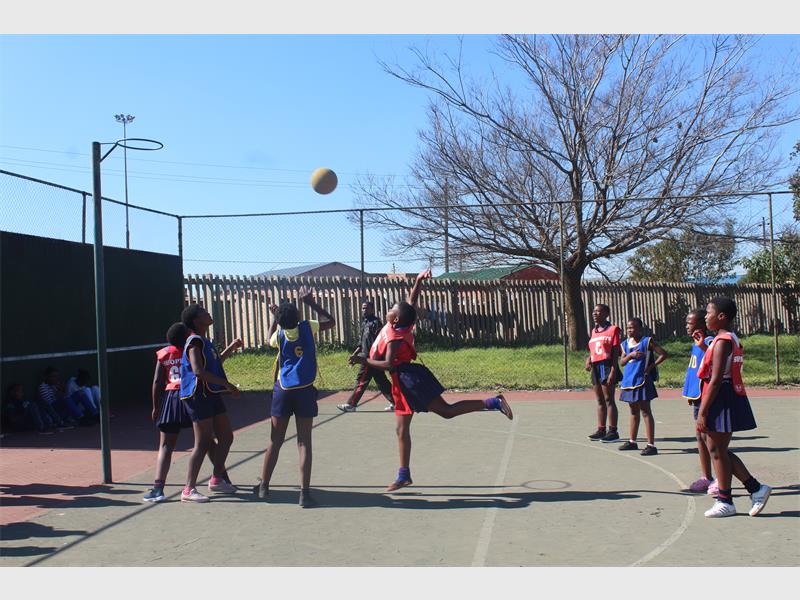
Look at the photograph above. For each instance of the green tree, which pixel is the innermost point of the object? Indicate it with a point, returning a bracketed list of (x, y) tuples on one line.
[(794, 183), (623, 139), (787, 261), (692, 256)]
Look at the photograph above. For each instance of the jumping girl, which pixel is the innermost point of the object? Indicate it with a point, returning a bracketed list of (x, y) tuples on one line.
[(414, 387)]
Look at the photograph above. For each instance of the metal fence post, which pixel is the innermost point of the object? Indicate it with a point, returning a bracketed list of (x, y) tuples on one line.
[(83, 219), (361, 223), (100, 314), (774, 295)]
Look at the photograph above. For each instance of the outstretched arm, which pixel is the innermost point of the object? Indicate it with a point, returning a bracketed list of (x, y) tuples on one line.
[(326, 321), (415, 290)]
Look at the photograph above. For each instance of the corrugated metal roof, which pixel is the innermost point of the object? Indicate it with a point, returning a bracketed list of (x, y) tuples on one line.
[(481, 274), (292, 271)]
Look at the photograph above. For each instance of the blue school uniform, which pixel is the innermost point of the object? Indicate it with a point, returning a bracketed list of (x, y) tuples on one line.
[(636, 386), (203, 401), (296, 369), (691, 384)]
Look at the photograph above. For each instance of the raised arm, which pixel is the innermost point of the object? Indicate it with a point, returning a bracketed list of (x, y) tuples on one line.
[(417, 287), (326, 321)]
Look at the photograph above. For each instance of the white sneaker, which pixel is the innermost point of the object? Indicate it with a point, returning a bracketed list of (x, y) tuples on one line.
[(759, 499), (346, 408), (388, 408), (193, 496), (721, 509), (220, 485)]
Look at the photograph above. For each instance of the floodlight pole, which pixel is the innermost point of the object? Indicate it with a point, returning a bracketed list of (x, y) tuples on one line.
[(125, 119), (774, 295), (100, 313)]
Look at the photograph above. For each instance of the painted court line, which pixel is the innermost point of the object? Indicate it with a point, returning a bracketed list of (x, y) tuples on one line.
[(688, 515), (482, 549)]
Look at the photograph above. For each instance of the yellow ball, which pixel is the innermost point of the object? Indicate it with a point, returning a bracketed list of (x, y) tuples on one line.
[(323, 181)]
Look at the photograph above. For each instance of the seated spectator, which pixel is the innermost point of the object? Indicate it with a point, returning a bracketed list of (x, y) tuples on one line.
[(79, 389), (52, 393), (22, 415)]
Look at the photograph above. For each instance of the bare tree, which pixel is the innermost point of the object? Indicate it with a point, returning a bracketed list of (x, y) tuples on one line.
[(608, 128)]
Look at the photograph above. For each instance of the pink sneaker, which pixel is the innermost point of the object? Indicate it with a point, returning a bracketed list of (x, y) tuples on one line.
[(192, 495), (700, 486), (713, 488)]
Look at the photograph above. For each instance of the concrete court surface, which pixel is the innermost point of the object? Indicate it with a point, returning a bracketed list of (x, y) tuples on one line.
[(487, 492)]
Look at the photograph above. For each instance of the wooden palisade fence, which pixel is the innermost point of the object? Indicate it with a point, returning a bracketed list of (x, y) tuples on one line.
[(475, 312)]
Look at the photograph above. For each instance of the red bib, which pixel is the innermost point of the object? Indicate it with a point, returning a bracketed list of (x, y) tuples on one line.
[(405, 353), (736, 361), (169, 358), (603, 342)]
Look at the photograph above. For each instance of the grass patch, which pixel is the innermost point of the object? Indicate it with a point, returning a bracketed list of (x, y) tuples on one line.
[(535, 367)]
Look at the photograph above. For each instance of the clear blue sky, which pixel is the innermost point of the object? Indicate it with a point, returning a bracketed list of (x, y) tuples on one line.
[(244, 120)]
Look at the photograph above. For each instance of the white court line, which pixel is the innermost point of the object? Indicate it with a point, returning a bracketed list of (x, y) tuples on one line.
[(482, 549), (691, 507)]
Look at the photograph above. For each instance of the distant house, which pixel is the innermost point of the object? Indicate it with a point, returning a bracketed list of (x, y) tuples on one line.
[(518, 272), (330, 269)]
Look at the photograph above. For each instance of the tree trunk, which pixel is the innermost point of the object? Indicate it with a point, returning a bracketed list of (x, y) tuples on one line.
[(577, 331)]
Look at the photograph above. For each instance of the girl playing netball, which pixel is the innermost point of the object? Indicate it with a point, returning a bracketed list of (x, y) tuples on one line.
[(203, 383), (414, 387), (169, 411), (294, 392), (724, 408), (696, 328), (602, 362), (640, 359)]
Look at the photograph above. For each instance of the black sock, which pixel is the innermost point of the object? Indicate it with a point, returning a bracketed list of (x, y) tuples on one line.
[(752, 485), (725, 496), (159, 483)]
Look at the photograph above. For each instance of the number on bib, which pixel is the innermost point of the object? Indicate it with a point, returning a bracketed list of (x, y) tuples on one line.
[(598, 347), (174, 373), (693, 364)]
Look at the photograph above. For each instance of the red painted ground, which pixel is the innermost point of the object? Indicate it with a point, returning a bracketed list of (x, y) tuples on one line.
[(70, 464)]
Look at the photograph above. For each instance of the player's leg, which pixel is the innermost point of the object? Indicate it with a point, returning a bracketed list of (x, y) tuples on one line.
[(304, 449), (277, 437), (203, 438), (718, 448), (404, 446), (650, 428), (448, 411), (218, 453)]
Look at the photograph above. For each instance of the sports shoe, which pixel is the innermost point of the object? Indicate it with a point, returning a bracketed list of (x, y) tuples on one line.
[(700, 486), (649, 450), (155, 495), (611, 436), (346, 408), (192, 495), (505, 408), (307, 500), (759, 499), (398, 483), (261, 490), (388, 408), (629, 445), (598, 435), (713, 488), (218, 484), (721, 509)]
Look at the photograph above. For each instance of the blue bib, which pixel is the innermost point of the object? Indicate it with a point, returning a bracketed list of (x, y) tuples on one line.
[(691, 385), (633, 373), (297, 360), (211, 363)]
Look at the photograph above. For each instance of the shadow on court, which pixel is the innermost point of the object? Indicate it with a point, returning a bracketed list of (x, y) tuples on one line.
[(45, 495), (132, 429)]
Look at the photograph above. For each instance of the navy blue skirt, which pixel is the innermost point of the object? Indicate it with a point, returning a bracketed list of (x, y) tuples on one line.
[(730, 412), (173, 415), (601, 370), (645, 393), (419, 386)]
